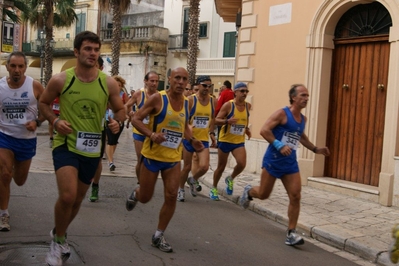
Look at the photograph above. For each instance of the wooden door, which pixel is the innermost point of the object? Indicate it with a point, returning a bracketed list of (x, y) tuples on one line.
[(357, 109)]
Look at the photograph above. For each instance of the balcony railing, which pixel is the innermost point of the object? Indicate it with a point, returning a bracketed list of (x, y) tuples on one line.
[(216, 66), (61, 47), (138, 33), (178, 41)]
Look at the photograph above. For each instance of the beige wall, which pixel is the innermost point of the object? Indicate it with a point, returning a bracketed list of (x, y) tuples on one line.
[(299, 50)]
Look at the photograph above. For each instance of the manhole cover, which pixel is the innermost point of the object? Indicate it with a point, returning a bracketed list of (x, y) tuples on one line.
[(31, 254)]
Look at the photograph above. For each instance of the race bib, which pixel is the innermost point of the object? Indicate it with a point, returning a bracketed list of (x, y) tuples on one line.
[(237, 130), (146, 120), (291, 140), (56, 107), (14, 115), (201, 121), (173, 138), (88, 142)]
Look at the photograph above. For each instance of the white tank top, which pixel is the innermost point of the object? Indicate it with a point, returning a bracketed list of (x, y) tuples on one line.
[(17, 107)]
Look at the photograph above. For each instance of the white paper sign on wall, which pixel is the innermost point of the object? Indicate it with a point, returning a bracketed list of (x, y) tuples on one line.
[(280, 14)]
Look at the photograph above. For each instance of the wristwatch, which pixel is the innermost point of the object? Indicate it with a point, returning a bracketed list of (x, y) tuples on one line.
[(38, 122)]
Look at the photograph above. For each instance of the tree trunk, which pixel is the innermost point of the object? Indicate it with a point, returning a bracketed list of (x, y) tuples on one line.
[(193, 32), (48, 50), (116, 37)]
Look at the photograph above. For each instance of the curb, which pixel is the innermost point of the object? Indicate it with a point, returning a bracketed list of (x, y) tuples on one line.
[(330, 234)]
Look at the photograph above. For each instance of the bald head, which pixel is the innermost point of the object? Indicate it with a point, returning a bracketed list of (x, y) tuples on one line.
[(178, 79)]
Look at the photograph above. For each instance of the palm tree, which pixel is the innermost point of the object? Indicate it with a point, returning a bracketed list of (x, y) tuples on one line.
[(193, 32), (117, 7), (9, 10), (48, 14)]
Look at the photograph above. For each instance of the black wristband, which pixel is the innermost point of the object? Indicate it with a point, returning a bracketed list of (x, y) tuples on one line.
[(38, 122), (314, 149), (212, 133)]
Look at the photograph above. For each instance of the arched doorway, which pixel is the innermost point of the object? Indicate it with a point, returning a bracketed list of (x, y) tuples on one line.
[(358, 91)]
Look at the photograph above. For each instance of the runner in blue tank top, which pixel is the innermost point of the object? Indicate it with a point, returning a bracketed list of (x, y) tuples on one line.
[(284, 130)]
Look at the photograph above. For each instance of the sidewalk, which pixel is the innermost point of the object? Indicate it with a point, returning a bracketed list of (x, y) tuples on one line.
[(357, 226)]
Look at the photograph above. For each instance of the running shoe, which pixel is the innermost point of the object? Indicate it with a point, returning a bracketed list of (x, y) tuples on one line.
[(50, 143), (54, 256), (180, 195), (161, 243), (5, 223), (94, 194), (191, 182), (112, 167), (293, 239), (65, 250), (394, 252), (229, 182), (244, 200), (131, 201), (198, 186), (213, 194)]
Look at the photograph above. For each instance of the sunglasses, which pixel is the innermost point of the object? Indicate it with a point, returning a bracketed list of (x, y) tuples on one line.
[(244, 91), (188, 89), (206, 85)]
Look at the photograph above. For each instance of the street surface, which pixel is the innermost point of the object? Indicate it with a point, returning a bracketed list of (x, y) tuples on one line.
[(202, 232)]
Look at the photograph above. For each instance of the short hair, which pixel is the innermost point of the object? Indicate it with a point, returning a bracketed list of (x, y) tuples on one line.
[(147, 76), (100, 61), (120, 79), (17, 53), (292, 92), (227, 84), (85, 36)]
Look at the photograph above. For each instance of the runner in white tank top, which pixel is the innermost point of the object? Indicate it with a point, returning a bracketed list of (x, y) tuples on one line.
[(19, 119)]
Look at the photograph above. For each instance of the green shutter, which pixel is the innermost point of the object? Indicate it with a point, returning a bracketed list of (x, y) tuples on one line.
[(229, 45)]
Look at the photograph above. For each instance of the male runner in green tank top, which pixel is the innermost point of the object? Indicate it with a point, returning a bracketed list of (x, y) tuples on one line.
[(83, 92)]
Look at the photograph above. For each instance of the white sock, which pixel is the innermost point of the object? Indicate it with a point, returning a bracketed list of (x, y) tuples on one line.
[(4, 213), (158, 233)]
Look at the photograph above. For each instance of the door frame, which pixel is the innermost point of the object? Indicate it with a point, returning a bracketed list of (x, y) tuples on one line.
[(320, 47)]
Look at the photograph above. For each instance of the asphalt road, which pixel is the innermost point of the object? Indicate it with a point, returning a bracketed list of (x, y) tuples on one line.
[(202, 232)]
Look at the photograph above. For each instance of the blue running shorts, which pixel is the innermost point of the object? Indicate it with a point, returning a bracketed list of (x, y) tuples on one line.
[(138, 137), (190, 147), (156, 166), (229, 147), (23, 149), (86, 166)]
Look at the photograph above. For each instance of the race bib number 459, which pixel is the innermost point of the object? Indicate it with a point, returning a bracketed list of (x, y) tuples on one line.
[(88, 142)]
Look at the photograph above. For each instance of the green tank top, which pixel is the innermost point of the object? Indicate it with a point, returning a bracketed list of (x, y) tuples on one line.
[(83, 105)]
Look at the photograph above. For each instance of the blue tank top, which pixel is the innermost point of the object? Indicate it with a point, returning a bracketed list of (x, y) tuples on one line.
[(290, 134)]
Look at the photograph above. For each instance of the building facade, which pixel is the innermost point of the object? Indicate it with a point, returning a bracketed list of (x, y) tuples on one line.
[(217, 41), (346, 54)]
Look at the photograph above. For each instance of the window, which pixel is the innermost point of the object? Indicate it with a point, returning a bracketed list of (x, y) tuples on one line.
[(229, 44), (81, 22), (203, 30)]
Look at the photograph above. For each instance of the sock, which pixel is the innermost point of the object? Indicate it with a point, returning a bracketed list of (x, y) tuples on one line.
[(290, 230), (94, 185), (4, 213), (59, 239), (158, 233)]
